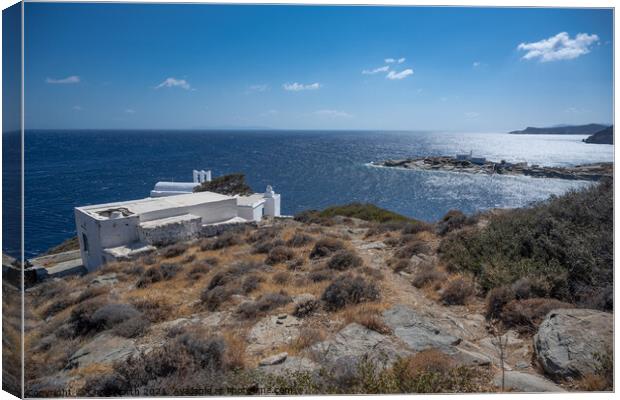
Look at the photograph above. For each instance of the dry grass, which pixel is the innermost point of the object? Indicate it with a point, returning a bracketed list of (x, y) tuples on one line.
[(306, 338), (368, 315), (235, 349)]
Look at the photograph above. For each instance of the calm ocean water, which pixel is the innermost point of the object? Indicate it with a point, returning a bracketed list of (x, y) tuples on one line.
[(311, 169)]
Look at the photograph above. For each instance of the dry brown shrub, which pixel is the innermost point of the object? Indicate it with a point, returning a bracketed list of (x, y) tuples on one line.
[(282, 277), (155, 309), (235, 350), (426, 275), (431, 360), (526, 315), (307, 337), (458, 290), (368, 316)]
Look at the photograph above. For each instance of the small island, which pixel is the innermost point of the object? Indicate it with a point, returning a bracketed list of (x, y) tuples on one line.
[(478, 165)]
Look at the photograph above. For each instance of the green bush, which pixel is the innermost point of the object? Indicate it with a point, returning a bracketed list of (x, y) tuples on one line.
[(230, 185), (564, 244)]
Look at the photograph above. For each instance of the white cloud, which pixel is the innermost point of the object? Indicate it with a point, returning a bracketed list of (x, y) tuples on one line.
[(297, 87), (401, 60), (472, 114), (130, 111), (376, 70), (559, 47), (476, 64), (69, 79), (258, 88), (77, 108), (173, 82), (389, 60), (333, 114), (393, 75), (270, 113)]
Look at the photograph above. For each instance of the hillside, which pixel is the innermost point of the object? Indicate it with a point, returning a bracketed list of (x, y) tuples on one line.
[(588, 129), (353, 299), (606, 136)]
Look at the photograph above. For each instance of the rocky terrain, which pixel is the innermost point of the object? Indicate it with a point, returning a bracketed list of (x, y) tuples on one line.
[(352, 300), (588, 172), (605, 136)]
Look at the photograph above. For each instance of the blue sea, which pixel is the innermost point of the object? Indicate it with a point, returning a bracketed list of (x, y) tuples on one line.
[(311, 170)]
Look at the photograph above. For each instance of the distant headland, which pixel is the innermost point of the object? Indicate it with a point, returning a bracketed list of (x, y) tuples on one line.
[(588, 129)]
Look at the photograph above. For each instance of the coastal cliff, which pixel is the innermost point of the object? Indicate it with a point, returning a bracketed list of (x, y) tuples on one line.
[(588, 129), (312, 305), (606, 136)]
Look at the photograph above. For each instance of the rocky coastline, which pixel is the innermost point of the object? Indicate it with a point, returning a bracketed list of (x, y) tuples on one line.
[(587, 172)]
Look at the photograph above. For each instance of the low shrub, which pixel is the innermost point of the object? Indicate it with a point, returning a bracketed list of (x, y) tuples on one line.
[(197, 270), (174, 250), (373, 273), (250, 283), (458, 291), (264, 304), (213, 298), (528, 287), (263, 234), (526, 315), (346, 290), (299, 239), (169, 271), (92, 292), (295, 263), (325, 247), (426, 274), (110, 315), (308, 337), (265, 246), (279, 254), (280, 278), (306, 307), (320, 275), (154, 309), (343, 260), (233, 273), (57, 306), (132, 327), (226, 239), (150, 276), (400, 264), (81, 317), (412, 248), (413, 228), (454, 219), (496, 300)]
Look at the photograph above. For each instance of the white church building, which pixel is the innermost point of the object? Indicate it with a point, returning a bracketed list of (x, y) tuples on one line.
[(123, 230)]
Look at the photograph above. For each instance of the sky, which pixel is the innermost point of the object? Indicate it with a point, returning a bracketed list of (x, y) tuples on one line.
[(154, 66)]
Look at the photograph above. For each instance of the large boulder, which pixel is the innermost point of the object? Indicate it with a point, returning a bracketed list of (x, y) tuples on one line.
[(103, 349), (355, 342), (417, 331), (569, 340)]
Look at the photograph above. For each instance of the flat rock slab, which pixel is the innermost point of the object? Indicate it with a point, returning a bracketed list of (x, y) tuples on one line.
[(291, 364), (372, 246), (273, 360), (272, 332), (569, 340), (418, 332), (106, 279), (355, 342), (523, 382), (103, 349)]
